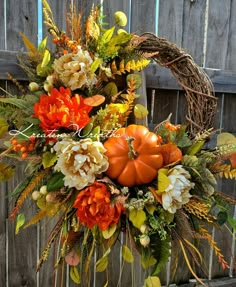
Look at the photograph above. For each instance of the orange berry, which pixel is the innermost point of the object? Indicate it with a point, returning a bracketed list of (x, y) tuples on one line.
[(30, 147), (24, 155), (23, 149), (18, 146), (14, 142)]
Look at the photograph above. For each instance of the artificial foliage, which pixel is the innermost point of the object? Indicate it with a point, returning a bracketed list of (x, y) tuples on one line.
[(98, 173)]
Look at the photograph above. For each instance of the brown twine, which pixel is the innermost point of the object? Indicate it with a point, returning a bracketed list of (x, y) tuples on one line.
[(199, 91)]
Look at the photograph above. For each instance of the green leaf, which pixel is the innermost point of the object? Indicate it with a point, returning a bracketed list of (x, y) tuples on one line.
[(110, 89), (74, 275), (43, 71), (95, 134), (109, 231), (102, 263), (20, 187), (140, 111), (195, 148), (49, 159), (147, 259), (6, 171), (108, 35), (3, 127), (152, 281), (55, 182), (19, 103), (34, 121), (160, 251), (95, 65), (42, 45), (127, 254), (19, 222), (222, 217), (120, 39), (137, 217)]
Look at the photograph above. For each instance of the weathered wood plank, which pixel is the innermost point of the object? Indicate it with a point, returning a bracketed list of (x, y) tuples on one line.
[(25, 22), (218, 33), (2, 25), (193, 24), (143, 16), (229, 113), (158, 77), (231, 48), (3, 232), (22, 249), (171, 20)]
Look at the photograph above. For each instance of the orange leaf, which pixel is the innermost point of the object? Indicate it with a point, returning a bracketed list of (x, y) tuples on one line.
[(72, 258), (232, 159), (94, 101)]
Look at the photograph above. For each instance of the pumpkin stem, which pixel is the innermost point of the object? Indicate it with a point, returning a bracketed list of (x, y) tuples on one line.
[(132, 153)]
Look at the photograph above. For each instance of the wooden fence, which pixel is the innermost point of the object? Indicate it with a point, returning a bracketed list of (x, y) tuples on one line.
[(207, 30)]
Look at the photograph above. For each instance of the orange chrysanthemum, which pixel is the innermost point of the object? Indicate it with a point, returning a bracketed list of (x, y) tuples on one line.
[(94, 206), (61, 109)]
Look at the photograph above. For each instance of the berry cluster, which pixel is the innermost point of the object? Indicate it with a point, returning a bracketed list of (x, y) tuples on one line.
[(24, 147)]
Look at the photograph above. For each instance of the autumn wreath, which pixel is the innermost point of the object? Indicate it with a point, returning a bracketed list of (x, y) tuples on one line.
[(96, 172)]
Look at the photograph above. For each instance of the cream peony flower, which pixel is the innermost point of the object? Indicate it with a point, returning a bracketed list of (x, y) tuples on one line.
[(177, 192), (81, 161), (74, 70)]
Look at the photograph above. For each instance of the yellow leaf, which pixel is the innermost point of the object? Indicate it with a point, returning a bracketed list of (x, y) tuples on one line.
[(137, 217), (152, 281), (94, 101), (101, 264), (123, 108), (46, 59), (140, 111), (163, 180), (109, 231), (127, 254), (74, 275)]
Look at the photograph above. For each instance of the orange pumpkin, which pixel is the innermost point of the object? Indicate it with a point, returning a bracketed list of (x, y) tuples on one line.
[(171, 153), (134, 155)]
